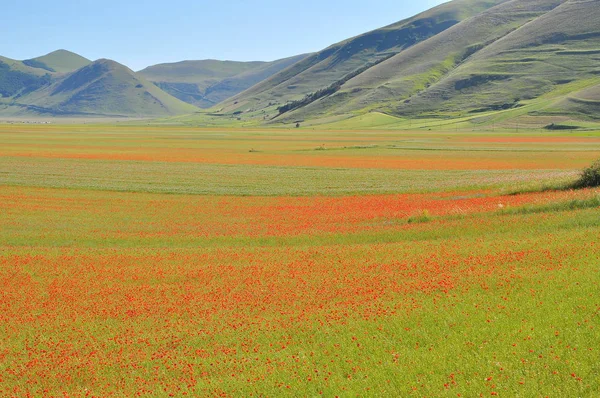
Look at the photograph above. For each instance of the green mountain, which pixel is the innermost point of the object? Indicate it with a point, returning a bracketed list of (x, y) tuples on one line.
[(208, 82), (336, 62), (102, 88), (470, 61), (516, 52), (64, 83), (474, 58), (61, 61), (17, 78)]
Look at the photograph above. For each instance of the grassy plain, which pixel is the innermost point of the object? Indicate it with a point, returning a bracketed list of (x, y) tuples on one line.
[(171, 261)]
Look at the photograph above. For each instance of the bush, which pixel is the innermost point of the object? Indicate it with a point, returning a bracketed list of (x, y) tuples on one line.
[(590, 177)]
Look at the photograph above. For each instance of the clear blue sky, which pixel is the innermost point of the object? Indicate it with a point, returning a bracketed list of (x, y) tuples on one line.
[(141, 33)]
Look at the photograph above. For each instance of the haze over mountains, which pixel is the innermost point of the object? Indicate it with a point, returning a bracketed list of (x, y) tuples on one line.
[(465, 57)]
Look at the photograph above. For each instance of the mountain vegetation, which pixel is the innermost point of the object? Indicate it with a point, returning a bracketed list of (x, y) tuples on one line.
[(19, 79)]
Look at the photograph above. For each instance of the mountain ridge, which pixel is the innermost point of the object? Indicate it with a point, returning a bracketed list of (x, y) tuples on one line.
[(102, 88), (475, 60)]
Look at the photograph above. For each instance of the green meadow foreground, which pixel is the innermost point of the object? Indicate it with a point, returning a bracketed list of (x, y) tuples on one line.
[(171, 261)]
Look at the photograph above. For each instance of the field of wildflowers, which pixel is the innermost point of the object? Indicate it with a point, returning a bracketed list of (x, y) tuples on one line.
[(450, 289)]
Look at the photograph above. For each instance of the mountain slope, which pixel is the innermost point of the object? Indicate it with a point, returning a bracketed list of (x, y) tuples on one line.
[(208, 82), (61, 61), (506, 57), (337, 61), (584, 103), (17, 78), (422, 69), (556, 49), (103, 88)]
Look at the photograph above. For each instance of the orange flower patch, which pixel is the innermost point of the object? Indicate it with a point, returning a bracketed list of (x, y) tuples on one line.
[(125, 216)]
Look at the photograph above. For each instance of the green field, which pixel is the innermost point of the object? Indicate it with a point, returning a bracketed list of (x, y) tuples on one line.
[(170, 261)]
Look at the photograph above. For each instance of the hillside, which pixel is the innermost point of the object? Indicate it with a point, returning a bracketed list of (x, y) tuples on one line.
[(546, 53), (516, 57), (583, 103), (442, 74), (17, 78), (208, 82), (63, 83), (60, 61), (472, 61), (337, 61), (103, 88)]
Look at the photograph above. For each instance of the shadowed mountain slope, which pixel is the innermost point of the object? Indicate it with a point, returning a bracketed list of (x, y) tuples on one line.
[(476, 60), (17, 78), (584, 103), (542, 56)]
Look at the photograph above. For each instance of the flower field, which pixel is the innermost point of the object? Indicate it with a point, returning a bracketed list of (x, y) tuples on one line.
[(284, 276)]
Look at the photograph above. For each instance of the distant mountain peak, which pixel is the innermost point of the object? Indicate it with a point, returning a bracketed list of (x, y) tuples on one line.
[(60, 61)]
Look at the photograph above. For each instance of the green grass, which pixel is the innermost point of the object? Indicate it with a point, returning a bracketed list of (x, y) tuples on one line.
[(575, 204), (189, 178), (214, 161), (520, 319), (155, 292)]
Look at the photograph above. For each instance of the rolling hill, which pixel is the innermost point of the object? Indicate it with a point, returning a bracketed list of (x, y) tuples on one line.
[(473, 61), (429, 77), (339, 60), (102, 88), (475, 57), (17, 78), (541, 46), (63, 83), (208, 82), (583, 103)]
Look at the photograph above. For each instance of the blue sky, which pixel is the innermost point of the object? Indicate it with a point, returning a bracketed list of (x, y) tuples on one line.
[(141, 33)]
